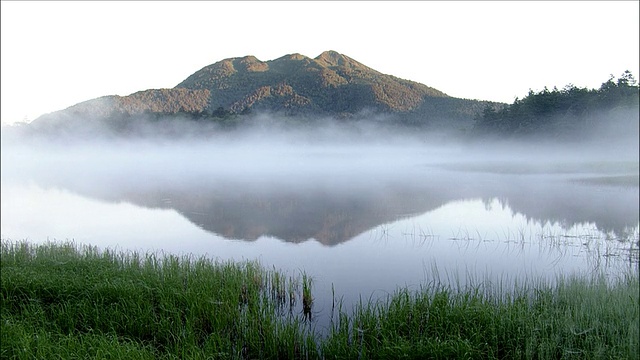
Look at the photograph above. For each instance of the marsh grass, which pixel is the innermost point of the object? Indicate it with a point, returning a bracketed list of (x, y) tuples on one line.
[(307, 298), (58, 298), (577, 317), (69, 301)]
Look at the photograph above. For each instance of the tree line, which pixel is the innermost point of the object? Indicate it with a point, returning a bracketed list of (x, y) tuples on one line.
[(560, 112)]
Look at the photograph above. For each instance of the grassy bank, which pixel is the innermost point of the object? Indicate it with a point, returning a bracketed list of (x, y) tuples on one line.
[(66, 301), (63, 301)]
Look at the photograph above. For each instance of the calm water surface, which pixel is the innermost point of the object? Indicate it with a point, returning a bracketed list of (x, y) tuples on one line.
[(361, 219)]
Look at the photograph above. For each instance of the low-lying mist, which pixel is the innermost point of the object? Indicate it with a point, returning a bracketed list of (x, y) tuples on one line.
[(329, 166), (267, 147), (272, 144)]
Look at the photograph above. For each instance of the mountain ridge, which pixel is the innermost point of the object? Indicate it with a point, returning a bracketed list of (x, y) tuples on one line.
[(329, 85)]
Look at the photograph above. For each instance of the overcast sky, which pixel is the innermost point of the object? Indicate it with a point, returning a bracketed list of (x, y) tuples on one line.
[(57, 54)]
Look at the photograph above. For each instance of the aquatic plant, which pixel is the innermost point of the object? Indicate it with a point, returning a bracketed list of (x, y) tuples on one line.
[(71, 301)]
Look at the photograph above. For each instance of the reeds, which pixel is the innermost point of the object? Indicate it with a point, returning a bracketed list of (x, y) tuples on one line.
[(577, 317), (61, 296), (70, 301)]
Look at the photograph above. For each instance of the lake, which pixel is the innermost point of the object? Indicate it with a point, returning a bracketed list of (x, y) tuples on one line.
[(360, 218)]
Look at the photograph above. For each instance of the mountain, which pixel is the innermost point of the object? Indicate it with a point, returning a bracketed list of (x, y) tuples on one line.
[(330, 85)]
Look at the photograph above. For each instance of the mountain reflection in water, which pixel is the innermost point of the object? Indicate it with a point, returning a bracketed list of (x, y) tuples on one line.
[(361, 221), (332, 215), (331, 192)]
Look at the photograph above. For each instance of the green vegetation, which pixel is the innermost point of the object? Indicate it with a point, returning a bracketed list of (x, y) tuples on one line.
[(65, 301), (302, 90), (569, 111), (69, 302), (330, 84), (578, 318)]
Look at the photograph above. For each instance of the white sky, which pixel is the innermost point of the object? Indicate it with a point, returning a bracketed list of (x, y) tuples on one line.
[(57, 54)]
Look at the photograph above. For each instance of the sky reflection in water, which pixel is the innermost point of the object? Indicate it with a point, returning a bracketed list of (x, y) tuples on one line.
[(350, 220)]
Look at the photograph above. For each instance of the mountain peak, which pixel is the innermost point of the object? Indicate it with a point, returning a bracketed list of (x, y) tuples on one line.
[(332, 84), (333, 58), (294, 56)]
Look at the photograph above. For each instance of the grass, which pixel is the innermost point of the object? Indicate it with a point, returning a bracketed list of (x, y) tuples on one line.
[(576, 318), (79, 302), (69, 301)]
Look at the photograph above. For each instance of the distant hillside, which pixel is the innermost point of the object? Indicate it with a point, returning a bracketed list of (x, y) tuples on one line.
[(330, 85), (610, 112)]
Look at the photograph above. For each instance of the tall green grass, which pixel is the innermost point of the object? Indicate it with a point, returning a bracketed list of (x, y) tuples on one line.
[(69, 301), (63, 300), (581, 318)]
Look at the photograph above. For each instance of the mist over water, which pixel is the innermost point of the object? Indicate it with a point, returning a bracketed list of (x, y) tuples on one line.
[(363, 207), (327, 167)]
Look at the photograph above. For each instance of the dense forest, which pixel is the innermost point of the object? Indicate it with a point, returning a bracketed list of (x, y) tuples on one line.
[(567, 112)]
